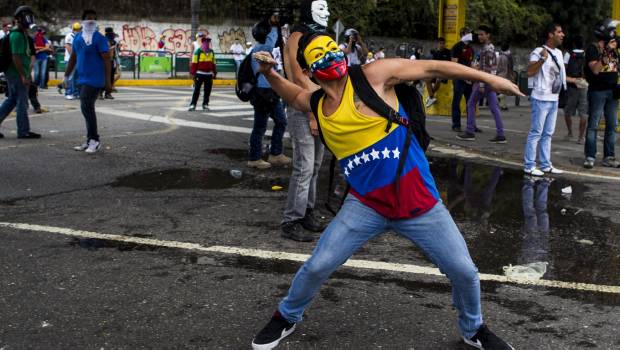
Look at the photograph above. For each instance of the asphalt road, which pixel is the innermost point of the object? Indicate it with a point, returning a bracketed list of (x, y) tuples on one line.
[(151, 243)]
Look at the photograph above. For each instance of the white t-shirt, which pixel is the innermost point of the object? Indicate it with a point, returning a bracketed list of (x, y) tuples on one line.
[(413, 58), (542, 83), (68, 41), (237, 51), (352, 56), (2, 34)]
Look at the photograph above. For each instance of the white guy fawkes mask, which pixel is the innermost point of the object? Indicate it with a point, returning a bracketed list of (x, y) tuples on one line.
[(320, 12)]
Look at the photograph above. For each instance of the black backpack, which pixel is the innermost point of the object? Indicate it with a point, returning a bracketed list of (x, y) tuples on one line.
[(6, 57), (246, 80), (576, 63), (408, 96)]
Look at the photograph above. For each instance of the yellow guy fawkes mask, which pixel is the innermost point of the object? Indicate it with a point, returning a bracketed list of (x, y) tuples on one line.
[(325, 58)]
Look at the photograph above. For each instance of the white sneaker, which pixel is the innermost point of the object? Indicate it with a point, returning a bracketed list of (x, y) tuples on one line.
[(552, 170), (533, 172), (430, 101), (93, 147), (69, 97), (81, 147)]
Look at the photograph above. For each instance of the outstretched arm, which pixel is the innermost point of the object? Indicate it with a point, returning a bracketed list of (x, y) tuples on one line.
[(294, 95), (384, 74)]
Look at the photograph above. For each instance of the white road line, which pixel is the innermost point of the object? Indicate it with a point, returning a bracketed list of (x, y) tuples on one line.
[(178, 122), (470, 155), (218, 114), (167, 92), (271, 255)]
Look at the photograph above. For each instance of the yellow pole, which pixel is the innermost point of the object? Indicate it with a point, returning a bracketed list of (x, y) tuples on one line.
[(451, 20)]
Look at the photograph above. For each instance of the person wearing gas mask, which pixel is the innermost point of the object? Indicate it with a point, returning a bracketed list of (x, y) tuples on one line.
[(602, 76), (371, 148), (355, 48), (462, 53), (267, 104), (299, 221), (18, 74), (548, 77), (91, 57)]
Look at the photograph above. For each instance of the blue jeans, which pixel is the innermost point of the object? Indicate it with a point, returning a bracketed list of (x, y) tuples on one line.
[(460, 88), (601, 102), (18, 97), (40, 70), (434, 232), (261, 116), (71, 86), (544, 115)]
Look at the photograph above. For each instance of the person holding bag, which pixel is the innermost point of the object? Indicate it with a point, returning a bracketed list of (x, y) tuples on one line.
[(547, 77)]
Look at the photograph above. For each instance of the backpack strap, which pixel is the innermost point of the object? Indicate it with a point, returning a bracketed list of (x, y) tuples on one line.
[(369, 96)]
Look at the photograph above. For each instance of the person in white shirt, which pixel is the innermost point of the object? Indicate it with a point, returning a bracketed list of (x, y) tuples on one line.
[(71, 92), (6, 27), (547, 77), (355, 48), (380, 54), (249, 47), (238, 52)]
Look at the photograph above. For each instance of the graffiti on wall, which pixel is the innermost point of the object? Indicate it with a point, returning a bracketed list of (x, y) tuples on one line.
[(228, 37), (140, 38)]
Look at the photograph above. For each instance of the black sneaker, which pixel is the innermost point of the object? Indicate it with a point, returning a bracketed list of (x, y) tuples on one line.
[(486, 340), (466, 136), (310, 223), (277, 329), (295, 231), (108, 96), (30, 135), (1, 135), (457, 129), (498, 139)]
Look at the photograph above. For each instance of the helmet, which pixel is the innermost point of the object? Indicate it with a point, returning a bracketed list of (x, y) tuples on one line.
[(350, 32), (260, 31), (606, 30), (25, 16)]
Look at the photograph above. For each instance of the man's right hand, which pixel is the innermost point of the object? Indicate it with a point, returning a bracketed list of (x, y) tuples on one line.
[(265, 62), (544, 54)]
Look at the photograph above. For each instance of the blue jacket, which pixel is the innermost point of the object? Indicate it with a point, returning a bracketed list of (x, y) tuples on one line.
[(268, 46)]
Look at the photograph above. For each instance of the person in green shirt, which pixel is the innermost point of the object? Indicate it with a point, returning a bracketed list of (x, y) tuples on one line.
[(18, 73)]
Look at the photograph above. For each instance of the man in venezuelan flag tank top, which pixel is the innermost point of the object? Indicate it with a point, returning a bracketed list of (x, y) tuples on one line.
[(369, 153)]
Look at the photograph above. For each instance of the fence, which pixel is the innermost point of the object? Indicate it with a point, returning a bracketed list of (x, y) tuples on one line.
[(156, 62)]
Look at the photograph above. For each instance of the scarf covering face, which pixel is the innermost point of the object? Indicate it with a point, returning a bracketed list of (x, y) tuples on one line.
[(314, 15), (325, 59), (89, 27)]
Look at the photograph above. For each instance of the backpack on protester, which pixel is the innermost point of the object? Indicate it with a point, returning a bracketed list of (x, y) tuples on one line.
[(576, 64), (408, 96), (6, 57), (246, 80)]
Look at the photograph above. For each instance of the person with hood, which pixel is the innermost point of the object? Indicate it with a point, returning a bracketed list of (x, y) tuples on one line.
[(299, 222), (203, 70), (18, 74), (462, 53), (91, 58), (371, 150)]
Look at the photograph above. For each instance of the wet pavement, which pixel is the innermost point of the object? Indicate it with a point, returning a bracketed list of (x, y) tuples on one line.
[(177, 185)]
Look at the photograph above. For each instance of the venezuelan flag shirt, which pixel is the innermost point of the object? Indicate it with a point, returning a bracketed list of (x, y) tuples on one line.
[(369, 158)]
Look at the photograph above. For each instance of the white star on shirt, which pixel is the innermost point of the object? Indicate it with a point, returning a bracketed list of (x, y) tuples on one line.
[(357, 160), (350, 165), (365, 157), (396, 153), (386, 153), (346, 172), (374, 154)]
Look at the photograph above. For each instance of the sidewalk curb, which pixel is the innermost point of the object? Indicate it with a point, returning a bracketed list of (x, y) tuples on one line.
[(158, 82)]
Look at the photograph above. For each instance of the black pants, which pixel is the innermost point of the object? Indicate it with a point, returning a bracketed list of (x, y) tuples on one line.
[(88, 97), (199, 79), (32, 96)]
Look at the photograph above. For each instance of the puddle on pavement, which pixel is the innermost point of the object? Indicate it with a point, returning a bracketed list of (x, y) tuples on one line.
[(96, 244), (206, 179), (232, 153)]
